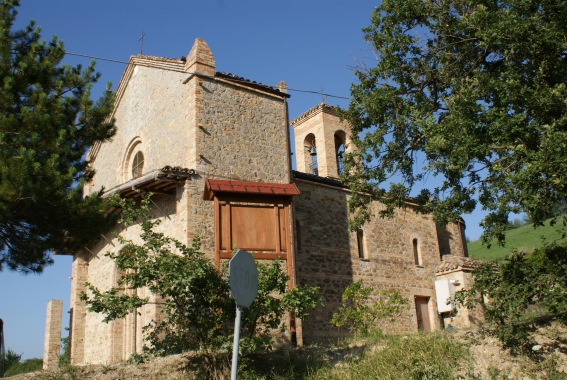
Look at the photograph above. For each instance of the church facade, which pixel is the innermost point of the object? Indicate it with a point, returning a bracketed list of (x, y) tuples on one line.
[(215, 151)]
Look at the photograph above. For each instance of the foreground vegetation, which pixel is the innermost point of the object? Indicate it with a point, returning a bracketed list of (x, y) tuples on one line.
[(427, 356), (449, 354), (442, 355), (524, 291), (197, 307)]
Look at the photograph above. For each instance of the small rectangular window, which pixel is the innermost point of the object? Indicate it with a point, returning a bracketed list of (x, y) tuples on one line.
[(361, 245), (416, 255), (298, 236)]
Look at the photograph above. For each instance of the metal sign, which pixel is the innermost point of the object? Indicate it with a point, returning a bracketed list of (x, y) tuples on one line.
[(243, 283), (243, 278)]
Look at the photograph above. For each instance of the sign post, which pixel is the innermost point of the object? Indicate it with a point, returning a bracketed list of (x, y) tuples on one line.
[(243, 283)]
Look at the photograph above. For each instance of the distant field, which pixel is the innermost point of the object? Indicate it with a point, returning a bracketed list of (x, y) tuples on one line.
[(524, 238)]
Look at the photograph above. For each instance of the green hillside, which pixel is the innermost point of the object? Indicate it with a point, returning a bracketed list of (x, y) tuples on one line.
[(524, 238)]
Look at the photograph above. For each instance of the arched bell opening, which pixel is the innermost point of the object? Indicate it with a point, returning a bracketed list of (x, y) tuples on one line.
[(340, 146), (311, 153)]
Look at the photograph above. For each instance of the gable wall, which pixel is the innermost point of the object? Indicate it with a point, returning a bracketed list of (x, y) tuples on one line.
[(156, 109)]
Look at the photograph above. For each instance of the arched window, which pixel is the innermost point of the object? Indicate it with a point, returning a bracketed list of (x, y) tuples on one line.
[(138, 164)]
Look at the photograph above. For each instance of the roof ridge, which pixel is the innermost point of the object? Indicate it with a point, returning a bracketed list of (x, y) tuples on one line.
[(321, 107), (249, 82)]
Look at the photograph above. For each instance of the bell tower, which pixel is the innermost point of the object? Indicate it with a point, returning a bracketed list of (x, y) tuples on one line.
[(321, 139)]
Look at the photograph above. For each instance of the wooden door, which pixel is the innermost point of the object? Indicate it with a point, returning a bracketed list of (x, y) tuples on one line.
[(422, 312)]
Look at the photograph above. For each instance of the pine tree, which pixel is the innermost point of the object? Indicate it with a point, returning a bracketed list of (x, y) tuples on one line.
[(47, 122)]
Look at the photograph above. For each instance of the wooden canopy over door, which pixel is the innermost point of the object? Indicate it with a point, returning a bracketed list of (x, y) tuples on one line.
[(253, 216)]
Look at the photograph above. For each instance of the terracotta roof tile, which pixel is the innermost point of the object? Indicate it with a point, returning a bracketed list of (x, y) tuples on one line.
[(315, 178), (251, 83), (213, 186)]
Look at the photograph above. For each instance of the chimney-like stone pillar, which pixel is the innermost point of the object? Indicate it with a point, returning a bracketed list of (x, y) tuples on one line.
[(52, 342), (200, 59)]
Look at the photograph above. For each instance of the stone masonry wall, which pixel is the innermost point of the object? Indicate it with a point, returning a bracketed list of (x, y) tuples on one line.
[(79, 276), (95, 341), (459, 269), (183, 114), (452, 239), (241, 136), (327, 255), (155, 115)]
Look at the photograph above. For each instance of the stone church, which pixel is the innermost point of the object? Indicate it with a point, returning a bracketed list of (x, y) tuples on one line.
[(215, 150)]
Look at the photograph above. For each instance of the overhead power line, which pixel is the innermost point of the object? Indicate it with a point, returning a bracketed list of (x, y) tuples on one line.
[(234, 79), (318, 93)]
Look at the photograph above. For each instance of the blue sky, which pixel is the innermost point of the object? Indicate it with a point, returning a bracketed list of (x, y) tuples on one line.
[(311, 44)]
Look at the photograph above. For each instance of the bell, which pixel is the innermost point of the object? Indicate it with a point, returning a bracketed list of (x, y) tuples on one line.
[(312, 151)]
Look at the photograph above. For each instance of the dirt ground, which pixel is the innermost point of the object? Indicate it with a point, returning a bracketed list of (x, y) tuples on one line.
[(488, 360)]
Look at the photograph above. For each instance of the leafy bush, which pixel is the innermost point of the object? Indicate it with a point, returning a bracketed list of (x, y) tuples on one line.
[(198, 310), (361, 315), (64, 357), (523, 291), (10, 359), (27, 366)]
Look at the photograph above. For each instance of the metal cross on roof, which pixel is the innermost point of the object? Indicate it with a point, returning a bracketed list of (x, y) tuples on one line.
[(141, 39)]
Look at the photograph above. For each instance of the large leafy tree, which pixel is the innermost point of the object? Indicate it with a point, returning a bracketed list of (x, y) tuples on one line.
[(465, 105), (47, 121)]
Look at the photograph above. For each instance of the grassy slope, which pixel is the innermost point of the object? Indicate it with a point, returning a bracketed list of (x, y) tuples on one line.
[(524, 238), (445, 355)]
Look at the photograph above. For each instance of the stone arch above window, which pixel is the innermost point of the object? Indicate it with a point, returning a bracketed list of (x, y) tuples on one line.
[(133, 161), (310, 147)]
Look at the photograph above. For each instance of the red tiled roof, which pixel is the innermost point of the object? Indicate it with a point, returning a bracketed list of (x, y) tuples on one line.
[(213, 186)]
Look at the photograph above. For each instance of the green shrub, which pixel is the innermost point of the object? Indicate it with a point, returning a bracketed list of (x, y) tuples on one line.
[(65, 355), (362, 316), (27, 366), (524, 291), (10, 359)]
